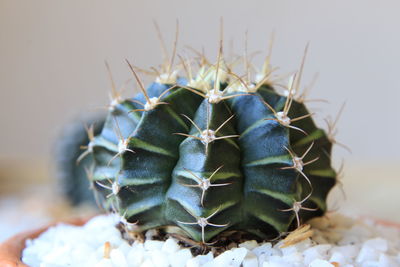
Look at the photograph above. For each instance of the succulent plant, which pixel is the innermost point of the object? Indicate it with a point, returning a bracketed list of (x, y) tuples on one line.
[(212, 152), (71, 177)]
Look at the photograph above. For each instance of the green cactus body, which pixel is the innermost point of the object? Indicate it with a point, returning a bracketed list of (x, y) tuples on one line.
[(71, 177), (213, 160)]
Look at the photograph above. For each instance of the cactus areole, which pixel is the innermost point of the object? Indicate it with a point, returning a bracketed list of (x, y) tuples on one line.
[(212, 152)]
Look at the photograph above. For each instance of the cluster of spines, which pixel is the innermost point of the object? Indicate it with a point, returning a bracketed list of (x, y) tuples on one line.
[(207, 84)]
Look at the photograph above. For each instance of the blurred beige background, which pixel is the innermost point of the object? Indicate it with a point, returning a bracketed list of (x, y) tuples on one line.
[(52, 68)]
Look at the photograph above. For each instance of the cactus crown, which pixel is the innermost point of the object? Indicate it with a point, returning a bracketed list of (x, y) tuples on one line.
[(212, 152)]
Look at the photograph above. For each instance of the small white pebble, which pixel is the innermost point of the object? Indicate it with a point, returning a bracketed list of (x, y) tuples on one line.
[(223, 259), (289, 250), (320, 263), (104, 263), (277, 261), (367, 254), (379, 244), (295, 257), (194, 262), (180, 258), (305, 244), (170, 246), (265, 249), (387, 261), (232, 258), (118, 258), (251, 244), (338, 257), (153, 245), (125, 248), (203, 259), (147, 263), (200, 260), (159, 258), (238, 256), (316, 252), (250, 260), (150, 234), (135, 255), (349, 251)]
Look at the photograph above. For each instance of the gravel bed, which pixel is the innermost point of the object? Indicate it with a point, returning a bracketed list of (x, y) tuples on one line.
[(336, 241)]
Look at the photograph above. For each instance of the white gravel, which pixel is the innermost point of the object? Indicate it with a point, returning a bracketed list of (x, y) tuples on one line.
[(337, 241)]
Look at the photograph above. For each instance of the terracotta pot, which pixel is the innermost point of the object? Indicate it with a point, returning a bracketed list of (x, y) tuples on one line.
[(11, 249)]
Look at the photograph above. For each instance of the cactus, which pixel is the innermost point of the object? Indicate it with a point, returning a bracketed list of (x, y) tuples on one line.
[(70, 176), (212, 152)]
